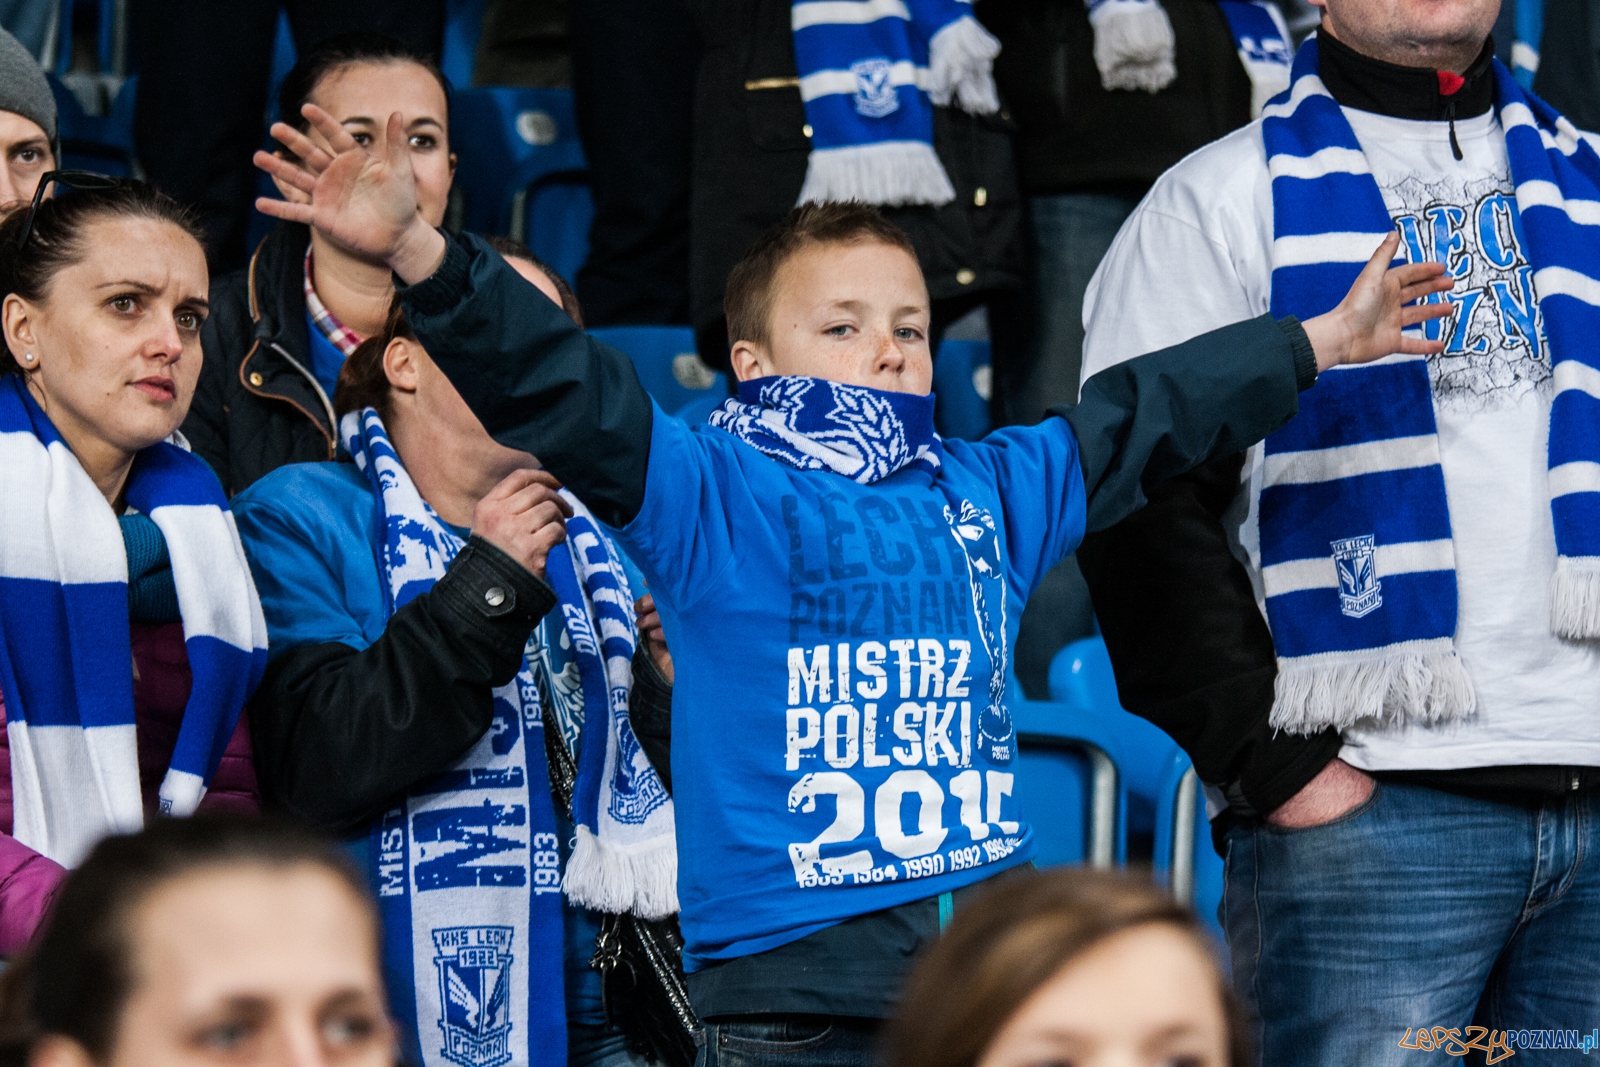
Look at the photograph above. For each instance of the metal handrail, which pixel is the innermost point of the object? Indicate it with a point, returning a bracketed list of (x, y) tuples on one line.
[(1184, 809), (1104, 779)]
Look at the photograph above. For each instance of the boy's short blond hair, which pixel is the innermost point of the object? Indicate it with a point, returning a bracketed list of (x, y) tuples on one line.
[(752, 284)]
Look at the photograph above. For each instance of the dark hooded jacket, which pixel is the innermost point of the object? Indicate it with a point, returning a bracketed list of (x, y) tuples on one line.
[(258, 406)]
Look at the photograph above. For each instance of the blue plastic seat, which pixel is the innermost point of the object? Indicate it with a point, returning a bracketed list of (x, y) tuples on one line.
[(101, 143), (1070, 782), (1081, 677), (508, 140), (463, 28), (557, 210), (961, 374), (665, 359), (1184, 859)]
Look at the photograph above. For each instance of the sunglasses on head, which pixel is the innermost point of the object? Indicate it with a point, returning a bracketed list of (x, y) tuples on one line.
[(72, 179)]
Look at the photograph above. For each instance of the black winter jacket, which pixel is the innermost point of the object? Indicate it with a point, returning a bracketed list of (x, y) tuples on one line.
[(750, 152), (339, 735), (1073, 134), (258, 406)]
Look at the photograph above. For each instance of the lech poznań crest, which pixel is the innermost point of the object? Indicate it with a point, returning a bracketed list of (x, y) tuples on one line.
[(874, 97), (1360, 592), (475, 993)]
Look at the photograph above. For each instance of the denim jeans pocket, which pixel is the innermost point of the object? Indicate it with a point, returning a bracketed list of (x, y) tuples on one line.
[(1338, 821), (774, 1033)]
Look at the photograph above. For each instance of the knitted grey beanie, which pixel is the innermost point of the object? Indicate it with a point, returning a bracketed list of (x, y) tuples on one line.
[(24, 90)]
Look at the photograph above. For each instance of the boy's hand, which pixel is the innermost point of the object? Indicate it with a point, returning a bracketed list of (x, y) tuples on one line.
[(655, 640), (1367, 323), (524, 517), (361, 201)]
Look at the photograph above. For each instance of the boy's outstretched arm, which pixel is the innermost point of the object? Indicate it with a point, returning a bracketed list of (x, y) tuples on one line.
[(534, 379), (1163, 413)]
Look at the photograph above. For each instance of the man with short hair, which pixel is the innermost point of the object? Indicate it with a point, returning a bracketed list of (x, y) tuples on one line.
[(28, 142), (1376, 633)]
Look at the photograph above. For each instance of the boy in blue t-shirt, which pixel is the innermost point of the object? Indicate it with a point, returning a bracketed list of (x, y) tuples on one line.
[(840, 587)]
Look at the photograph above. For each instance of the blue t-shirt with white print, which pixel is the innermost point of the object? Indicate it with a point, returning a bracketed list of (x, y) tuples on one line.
[(838, 648)]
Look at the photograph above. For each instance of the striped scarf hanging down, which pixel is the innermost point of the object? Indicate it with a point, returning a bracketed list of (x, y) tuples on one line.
[(65, 658), (1356, 552), (870, 73), (467, 868)]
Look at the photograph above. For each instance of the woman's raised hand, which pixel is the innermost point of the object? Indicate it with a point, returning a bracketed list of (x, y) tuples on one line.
[(364, 201), (1367, 323)]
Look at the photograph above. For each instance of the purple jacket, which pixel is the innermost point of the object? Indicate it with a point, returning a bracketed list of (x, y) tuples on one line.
[(28, 881)]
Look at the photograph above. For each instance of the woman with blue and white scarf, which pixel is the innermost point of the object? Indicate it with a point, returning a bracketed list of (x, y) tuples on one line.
[(130, 633), (436, 605)]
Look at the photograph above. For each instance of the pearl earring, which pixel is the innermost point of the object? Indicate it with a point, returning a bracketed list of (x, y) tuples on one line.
[(28, 358)]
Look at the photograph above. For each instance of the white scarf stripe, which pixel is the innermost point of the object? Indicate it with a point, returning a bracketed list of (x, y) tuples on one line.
[(828, 82), (1300, 91), (1411, 557), (1321, 163), (1310, 248), (1332, 464), (1580, 476), (846, 12), (1548, 194), (28, 465), (1561, 281), (1570, 374)]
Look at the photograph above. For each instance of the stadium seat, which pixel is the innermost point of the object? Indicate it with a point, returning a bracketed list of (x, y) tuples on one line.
[(1081, 678), (463, 28), (665, 359), (552, 217), (509, 140), (1184, 859), (696, 412), (961, 376), (101, 143), (1070, 782)]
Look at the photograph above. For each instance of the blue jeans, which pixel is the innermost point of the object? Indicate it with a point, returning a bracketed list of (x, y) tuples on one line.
[(788, 1041), (1418, 908), (1070, 234)]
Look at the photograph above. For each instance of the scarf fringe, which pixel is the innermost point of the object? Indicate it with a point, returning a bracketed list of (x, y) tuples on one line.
[(888, 173), (1575, 598), (961, 67), (1417, 682), (603, 876), (1134, 45)]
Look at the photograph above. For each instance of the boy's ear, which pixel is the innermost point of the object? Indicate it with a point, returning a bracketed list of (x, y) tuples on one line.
[(750, 361)]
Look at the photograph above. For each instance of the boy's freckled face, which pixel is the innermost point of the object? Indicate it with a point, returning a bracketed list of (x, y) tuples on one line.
[(855, 313)]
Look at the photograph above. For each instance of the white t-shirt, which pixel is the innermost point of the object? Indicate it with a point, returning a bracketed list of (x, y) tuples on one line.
[(1196, 255)]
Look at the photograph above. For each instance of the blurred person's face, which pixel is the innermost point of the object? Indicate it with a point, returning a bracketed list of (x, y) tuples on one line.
[(1443, 34), (27, 157), (854, 313), (246, 965), (362, 96), (425, 394), (1144, 997), (115, 343)]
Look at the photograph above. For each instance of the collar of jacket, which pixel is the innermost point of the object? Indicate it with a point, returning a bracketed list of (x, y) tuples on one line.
[(280, 353), (1418, 93)]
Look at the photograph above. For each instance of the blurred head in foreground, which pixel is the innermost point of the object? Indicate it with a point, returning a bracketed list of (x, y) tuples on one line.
[(203, 941), (1068, 967)]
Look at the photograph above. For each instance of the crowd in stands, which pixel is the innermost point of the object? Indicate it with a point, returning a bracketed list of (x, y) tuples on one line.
[(386, 677)]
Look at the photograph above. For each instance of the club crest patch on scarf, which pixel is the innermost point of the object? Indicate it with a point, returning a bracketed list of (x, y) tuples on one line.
[(875, 97), (474, 965), (814, 424)]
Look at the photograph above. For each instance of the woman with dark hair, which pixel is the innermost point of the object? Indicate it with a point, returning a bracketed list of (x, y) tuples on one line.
[(220, 939), (130, 633), (424, 699), (1068, 967), (280, 329)]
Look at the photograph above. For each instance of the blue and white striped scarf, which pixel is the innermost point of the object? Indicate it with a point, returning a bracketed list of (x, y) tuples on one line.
[(456, 922), (815, 424), (65, 655), (870, 71), (1357, 558)]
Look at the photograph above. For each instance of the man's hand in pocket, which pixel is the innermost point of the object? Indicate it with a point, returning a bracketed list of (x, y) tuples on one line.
[(1335, 790)]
